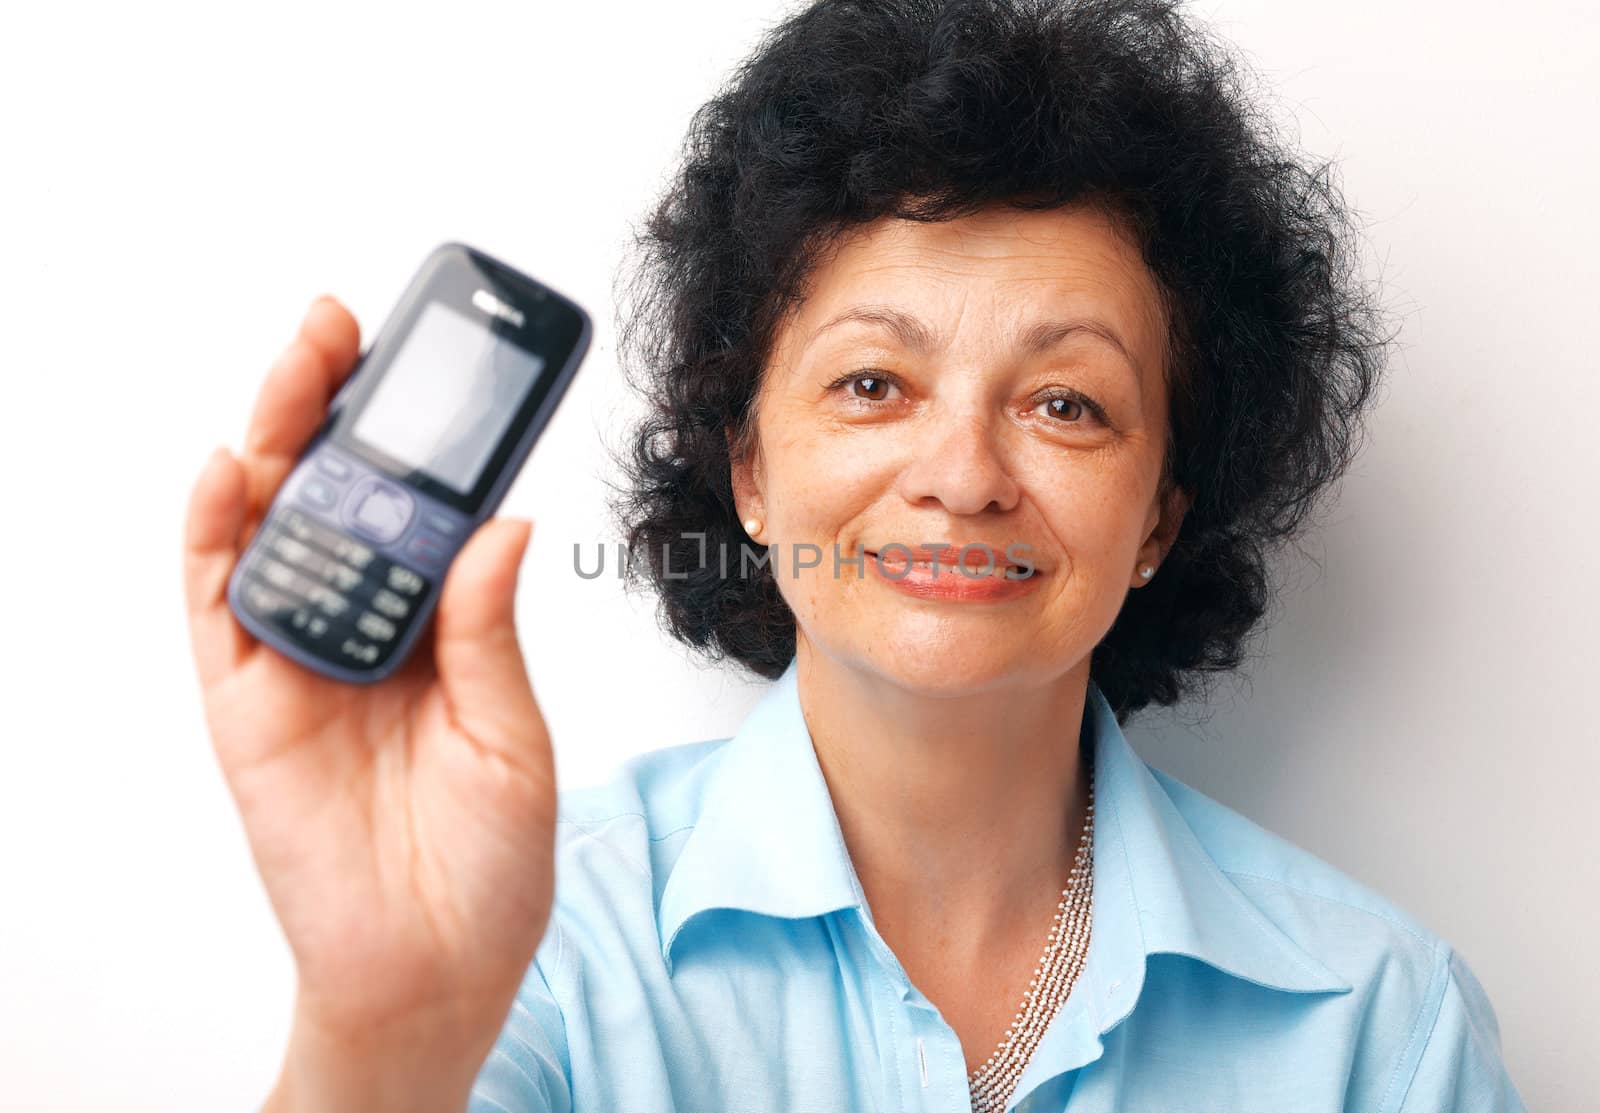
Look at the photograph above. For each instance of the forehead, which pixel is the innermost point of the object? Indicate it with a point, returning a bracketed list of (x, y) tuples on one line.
[(1000, 268)]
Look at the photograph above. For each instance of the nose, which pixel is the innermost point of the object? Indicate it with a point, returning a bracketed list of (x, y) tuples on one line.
[(957, 462)]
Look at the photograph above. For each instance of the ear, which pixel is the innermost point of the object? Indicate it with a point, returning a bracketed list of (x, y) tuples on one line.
[(1175, 504), (745, 464)]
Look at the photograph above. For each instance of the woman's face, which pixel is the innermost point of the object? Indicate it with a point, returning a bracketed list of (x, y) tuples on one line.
[(994, 380)]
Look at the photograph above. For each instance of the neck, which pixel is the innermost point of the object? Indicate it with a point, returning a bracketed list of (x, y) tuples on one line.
[(961, 814)]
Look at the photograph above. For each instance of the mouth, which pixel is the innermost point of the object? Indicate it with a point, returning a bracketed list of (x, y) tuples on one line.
[(979, 562)]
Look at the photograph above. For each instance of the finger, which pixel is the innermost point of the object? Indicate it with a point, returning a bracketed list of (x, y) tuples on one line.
[(476, 651), (216, 512), (302, 381)]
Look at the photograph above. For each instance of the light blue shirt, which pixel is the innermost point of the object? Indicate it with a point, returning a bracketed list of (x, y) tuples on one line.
[(710, 949)]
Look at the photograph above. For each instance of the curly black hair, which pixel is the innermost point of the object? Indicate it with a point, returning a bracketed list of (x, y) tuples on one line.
[(853, 110)]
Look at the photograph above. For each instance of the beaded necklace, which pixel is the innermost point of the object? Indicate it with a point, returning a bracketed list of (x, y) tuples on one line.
[(1068, 941)]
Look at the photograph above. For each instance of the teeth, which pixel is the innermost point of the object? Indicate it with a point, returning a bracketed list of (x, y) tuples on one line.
[(954, 569), (895, 560)]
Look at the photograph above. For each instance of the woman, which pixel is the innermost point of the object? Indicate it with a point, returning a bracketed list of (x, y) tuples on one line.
[(993, 346)]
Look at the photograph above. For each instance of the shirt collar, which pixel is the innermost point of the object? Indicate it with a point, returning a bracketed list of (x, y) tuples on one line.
[(767, 840)]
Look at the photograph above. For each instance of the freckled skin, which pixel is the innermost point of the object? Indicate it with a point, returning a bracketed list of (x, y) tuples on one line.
[(961, 444)]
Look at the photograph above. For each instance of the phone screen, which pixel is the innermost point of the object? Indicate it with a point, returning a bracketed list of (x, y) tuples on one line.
[(448, 396)]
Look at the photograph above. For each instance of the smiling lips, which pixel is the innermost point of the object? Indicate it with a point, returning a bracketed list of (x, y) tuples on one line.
[(979, 556), (937, 572)]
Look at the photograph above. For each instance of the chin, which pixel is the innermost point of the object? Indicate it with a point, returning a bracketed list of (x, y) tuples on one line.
[(935, 681), (937, 651), (945, 660)]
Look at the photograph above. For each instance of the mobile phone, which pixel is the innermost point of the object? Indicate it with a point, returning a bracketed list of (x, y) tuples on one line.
[(417, 449)]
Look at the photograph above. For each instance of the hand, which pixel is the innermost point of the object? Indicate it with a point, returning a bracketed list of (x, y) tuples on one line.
[(403, 829)]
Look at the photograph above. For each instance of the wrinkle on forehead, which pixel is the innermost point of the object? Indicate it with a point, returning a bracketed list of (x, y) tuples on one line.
[(1076, 262)]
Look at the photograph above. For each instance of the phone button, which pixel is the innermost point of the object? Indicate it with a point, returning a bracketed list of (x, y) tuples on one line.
[(378, 509), (264, 601), (317, 492), (390, 604), (436, 521), (404, 579), (377, 628), (334, 466), (364, 652), (426, 549), (314, 626)]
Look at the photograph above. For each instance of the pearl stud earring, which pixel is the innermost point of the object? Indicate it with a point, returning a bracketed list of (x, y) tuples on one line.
[(752, 526), (1147, 571)]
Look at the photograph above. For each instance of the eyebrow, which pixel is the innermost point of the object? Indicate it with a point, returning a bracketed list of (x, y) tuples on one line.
[(914, 335), (911, 332)]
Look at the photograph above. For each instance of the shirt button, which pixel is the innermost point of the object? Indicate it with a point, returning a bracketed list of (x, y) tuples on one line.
[(1112, 988)]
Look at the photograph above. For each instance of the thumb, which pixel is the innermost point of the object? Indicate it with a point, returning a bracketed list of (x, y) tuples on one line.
[(479, 659)]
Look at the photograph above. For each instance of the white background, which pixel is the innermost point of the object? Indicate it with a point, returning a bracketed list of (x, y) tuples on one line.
[(182, 180)]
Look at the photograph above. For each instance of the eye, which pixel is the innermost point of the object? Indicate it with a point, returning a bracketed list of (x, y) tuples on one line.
[(866, 386), (1064, 407), (1071, 408)]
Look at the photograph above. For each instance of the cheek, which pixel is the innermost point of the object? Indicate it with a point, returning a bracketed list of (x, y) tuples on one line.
[(818, 493), (1090, 515), (818, 484)]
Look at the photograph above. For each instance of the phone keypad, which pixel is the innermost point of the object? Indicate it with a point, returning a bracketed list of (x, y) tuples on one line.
[(329, 593)]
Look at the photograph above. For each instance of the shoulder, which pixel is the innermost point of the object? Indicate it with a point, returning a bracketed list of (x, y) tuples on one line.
[(648, 797), (1347, 925), (1270, 867), (616, 843), (1422, 1021)]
